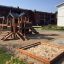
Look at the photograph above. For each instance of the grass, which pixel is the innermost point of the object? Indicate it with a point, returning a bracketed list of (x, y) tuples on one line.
[(50, 27), (5, 57), (37, 26)]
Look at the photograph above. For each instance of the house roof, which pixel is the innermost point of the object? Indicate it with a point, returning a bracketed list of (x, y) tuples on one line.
[(62, 4), (22, 14), (27, 14), (15, 15)]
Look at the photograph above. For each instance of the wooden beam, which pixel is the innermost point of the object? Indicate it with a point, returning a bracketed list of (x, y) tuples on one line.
[(31, 45), (40, 59), (7, 36), (20, 35)]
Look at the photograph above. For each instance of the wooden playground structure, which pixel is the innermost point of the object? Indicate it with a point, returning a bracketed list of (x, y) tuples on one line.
[(19, 24)]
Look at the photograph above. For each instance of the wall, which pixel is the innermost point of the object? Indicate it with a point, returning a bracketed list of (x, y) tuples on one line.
[(37, 17), (60, 16), (45, 18)]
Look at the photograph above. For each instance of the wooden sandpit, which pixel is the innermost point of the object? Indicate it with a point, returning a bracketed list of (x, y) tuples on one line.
[(46, 53)]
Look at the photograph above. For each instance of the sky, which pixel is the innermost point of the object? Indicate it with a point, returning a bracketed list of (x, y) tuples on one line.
[(39, 5)]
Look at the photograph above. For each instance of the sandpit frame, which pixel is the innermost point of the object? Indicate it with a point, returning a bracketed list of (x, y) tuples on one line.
[(43, 59)]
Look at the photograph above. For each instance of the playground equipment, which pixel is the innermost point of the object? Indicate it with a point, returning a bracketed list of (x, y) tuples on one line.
[(1, 22), (20, 25)]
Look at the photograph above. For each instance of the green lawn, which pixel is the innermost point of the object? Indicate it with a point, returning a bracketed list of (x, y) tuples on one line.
[(49, 27), (7, 57), (52, 27)]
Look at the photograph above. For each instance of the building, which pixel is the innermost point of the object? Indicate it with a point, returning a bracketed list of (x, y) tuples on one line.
[(37, 17), (45, 18), (60, 15)]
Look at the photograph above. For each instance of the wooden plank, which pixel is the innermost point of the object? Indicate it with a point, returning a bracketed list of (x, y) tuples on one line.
[(20, 35), (3, 24), (43, 60), (7, 36), (31, 45)]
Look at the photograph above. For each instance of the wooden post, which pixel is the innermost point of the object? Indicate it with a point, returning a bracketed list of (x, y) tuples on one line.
[(28, 19), (21, 22), (24, 26), (7, 21), (14, 28)]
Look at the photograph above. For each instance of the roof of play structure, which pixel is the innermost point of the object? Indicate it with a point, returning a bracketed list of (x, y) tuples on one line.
[(16, 15)]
